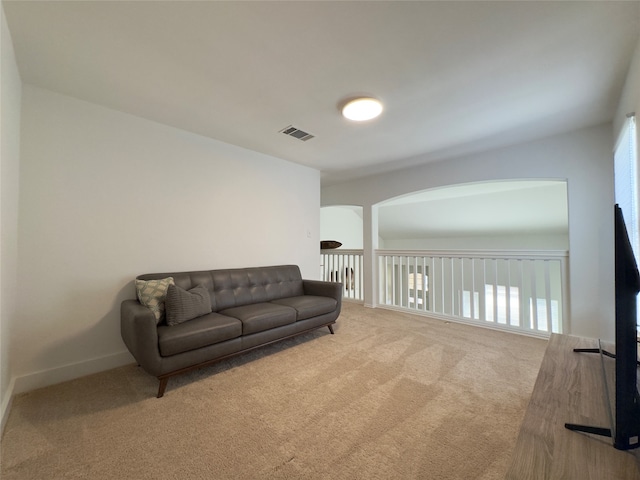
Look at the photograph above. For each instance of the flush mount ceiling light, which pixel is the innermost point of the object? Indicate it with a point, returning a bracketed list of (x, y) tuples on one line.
[(361, 109)]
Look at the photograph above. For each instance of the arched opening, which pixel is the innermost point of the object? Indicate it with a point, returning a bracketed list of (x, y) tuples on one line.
[(492, 253), (518, 214)]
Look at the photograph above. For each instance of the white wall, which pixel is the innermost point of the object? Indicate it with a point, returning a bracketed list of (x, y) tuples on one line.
[(342, 224), (10, 96), (582, 158), (482, 242), (106, 196)]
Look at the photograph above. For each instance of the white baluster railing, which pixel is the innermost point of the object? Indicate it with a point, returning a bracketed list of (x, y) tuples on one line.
[(514, 290), (343, 266)]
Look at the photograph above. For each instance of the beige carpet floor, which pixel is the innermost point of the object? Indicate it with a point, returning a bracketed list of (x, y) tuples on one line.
[(389, 396)]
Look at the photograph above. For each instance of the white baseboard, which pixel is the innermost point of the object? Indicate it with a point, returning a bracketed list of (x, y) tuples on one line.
[(45, 378)]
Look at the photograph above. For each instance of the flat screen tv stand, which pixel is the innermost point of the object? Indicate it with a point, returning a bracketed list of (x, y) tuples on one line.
[(569, 389)]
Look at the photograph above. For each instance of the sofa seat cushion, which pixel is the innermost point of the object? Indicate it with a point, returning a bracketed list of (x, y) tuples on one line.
[(258, 317), (308, 306), (199, 332)]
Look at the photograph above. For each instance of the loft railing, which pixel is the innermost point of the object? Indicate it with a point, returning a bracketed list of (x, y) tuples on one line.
[(524, 291), (344, 266), (515, 290)]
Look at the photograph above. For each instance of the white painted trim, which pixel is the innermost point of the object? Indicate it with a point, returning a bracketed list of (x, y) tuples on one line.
[(521, 254), (630, 119), (341, 251), (45, 378)]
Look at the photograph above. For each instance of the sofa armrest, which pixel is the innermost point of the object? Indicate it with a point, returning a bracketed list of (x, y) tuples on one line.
[(139, 331), (323, 289)]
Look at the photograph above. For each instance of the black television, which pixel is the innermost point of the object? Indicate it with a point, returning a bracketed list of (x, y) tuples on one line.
[(625, 424)]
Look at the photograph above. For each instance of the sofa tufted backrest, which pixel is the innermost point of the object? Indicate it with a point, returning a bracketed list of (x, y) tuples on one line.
[(240, 286)]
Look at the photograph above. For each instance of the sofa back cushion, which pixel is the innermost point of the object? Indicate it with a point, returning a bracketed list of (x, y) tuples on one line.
[(240, 286)]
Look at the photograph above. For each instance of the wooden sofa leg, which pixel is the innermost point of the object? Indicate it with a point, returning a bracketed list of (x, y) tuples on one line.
[(162, 386), (330, 328)]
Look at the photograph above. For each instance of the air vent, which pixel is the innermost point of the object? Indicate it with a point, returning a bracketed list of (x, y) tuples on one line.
[(297, 133)]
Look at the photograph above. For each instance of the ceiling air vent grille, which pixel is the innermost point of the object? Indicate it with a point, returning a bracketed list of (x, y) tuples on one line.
[(297, 133)]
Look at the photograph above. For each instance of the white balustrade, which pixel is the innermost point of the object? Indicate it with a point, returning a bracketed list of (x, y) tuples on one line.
[(513, 290), (343, 266)]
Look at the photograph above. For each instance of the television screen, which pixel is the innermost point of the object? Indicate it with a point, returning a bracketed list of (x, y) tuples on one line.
[(627, 285)]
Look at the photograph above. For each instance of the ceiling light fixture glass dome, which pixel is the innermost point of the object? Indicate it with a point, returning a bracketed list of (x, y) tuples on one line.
[(361, 109)]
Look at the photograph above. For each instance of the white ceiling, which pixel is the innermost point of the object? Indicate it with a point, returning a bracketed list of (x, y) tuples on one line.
[(455, 77)]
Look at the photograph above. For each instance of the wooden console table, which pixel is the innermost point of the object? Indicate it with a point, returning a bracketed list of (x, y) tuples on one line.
[(569, 388)]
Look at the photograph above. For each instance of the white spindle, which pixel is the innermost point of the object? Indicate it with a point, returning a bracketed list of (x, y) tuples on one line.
[(442, 293), (507, 292), (495, 290), (472, 294), (547, 294), (453, 287), (534, 296)]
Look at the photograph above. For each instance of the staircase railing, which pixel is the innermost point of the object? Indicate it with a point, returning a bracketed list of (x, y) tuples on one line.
[(344, 266)]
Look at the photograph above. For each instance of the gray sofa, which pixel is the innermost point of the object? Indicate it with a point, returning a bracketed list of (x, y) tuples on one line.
[(236, 310)]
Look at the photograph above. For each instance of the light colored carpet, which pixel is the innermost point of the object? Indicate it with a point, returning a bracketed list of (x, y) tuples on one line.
[(390, 395)]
